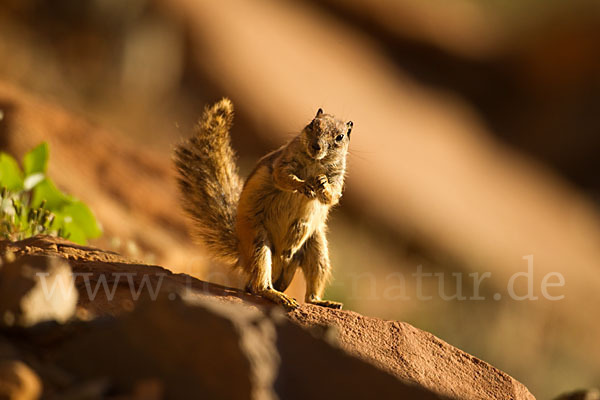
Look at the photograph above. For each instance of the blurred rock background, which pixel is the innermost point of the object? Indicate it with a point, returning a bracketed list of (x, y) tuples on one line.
[(476, 143)]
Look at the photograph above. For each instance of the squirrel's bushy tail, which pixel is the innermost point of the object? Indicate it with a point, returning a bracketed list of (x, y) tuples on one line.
[(209, 182)]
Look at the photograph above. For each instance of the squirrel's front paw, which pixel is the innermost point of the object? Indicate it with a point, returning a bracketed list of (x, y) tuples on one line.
[(308, 191), (322, 182), (324, 189)]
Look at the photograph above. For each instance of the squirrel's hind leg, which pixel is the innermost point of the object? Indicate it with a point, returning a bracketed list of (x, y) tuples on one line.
[(314, 261), (260, 282)]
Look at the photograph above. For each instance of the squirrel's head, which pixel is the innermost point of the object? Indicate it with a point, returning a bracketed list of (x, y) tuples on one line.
[(327, 136)]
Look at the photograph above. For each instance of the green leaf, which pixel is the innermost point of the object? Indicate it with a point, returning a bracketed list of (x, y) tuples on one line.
[(36, 160), (55, 199), (33, 196), (10, 174), (82, 217), (73, 232)]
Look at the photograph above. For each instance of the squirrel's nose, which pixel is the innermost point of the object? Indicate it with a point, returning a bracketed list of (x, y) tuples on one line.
[(316, 146)]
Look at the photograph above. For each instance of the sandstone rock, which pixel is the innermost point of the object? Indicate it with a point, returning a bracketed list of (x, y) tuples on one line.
[(221, 350), (193, 346), (314, 369), (34, 289), (18, 381), (414, 355), (210, 336)]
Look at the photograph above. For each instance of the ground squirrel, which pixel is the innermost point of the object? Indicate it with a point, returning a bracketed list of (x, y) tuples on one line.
[(276, 221)]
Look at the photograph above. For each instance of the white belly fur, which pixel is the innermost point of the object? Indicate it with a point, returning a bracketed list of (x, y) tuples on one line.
[(287, 209)]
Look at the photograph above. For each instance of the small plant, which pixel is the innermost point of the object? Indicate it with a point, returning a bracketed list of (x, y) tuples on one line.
[(30, 203)]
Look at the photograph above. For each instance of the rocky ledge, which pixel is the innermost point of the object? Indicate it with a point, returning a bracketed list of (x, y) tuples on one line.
[(80, 322)]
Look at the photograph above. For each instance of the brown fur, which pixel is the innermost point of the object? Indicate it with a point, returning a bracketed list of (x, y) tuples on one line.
[(280, 218), (208, 181)]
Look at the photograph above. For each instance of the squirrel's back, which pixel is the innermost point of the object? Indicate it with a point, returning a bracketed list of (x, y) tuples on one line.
[(209, 182)]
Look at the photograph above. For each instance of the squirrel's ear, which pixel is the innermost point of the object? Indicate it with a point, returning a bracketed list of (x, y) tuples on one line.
[(349, 124), (319, 112)]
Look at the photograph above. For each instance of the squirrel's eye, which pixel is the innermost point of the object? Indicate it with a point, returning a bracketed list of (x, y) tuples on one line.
[(339, 138)]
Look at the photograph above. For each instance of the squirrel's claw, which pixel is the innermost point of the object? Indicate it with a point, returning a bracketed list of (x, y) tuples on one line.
[(322, 182), (327, 303), (308, 191)]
